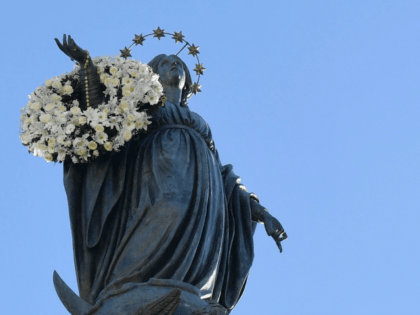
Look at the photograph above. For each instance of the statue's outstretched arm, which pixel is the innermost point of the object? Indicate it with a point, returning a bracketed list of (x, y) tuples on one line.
[(91, 89), (272, 225)]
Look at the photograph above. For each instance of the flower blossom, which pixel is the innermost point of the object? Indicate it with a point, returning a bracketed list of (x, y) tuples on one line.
[(70, 128)]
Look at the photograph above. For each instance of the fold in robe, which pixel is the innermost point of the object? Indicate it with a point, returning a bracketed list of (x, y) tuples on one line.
[(163, 207)]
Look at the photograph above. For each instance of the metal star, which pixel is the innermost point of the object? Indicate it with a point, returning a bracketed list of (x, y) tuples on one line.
[(125, 53), (195, 88), (178, 37), (159, 33), (199, 69), (193, 50), (139, 39)]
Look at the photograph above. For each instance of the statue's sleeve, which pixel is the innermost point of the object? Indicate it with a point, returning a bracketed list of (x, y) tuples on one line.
[(240, 244), (93, 189)]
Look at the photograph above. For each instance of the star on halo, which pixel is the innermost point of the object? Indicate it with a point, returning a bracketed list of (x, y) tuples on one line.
[(195, 88), (193, 50), (125, 53), (178, 37), (139, 39), (199, 69), (159, 33)]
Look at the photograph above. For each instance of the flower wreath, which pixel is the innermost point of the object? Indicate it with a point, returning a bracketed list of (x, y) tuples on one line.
[(55, 127)]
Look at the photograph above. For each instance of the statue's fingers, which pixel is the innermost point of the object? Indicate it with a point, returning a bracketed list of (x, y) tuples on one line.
[(279, 246), (62, 48), (64, 40), (59, 44), (72, 46)]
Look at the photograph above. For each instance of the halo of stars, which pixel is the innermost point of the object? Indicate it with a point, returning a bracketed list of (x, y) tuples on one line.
[(179, 38)]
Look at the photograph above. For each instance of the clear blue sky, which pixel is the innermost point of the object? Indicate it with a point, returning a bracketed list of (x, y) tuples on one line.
[(315, 103)]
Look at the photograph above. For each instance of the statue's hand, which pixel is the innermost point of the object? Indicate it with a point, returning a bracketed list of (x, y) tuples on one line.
[(71, 49), (274, 229)]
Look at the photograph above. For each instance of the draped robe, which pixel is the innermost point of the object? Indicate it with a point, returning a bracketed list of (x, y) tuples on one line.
[(163, 207)]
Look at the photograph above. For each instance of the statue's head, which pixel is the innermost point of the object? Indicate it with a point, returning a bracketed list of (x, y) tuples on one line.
[(173, 73)]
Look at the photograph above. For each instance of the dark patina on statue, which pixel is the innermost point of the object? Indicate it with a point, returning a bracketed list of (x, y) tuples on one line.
[(161, 227)]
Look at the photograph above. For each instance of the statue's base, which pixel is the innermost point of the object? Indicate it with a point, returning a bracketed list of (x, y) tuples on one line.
[(156, 297)]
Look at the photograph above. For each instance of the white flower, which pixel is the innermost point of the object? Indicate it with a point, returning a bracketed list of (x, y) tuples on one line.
[(35, 106), (57, 84), (56, 97), (41, 147), (113, 70), (23, 116), (48, 83), (153, 98), (70, 128), (75, 121), (154, 78), (48, 157), (62, 118), (103, 77), (108, 146), (99, 128), (51, 142), (123, 106), (127, 90), (139, 124), (60, 139), (82, 120), (92, 145), (127, 135), (67, 89), (34, 118), (127, 81), (115, 122), (96, 153), (143, 69), (49, 107), (81, 151), (25, 138), (75, 160), (91, 114), (45, 118), (102, 116), (129, 125), (101, 137), (75, 110), (61, 155)]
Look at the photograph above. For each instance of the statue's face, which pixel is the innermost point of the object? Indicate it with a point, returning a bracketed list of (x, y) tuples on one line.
[(171, 72)]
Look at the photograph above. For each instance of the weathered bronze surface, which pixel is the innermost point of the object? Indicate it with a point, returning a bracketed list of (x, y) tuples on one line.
[(162, 227)]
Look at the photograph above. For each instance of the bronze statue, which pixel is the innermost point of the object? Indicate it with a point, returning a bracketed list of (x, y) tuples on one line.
[(162, 216)]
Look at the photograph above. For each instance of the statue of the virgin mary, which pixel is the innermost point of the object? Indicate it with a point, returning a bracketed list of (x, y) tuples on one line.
[(164, 207)]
